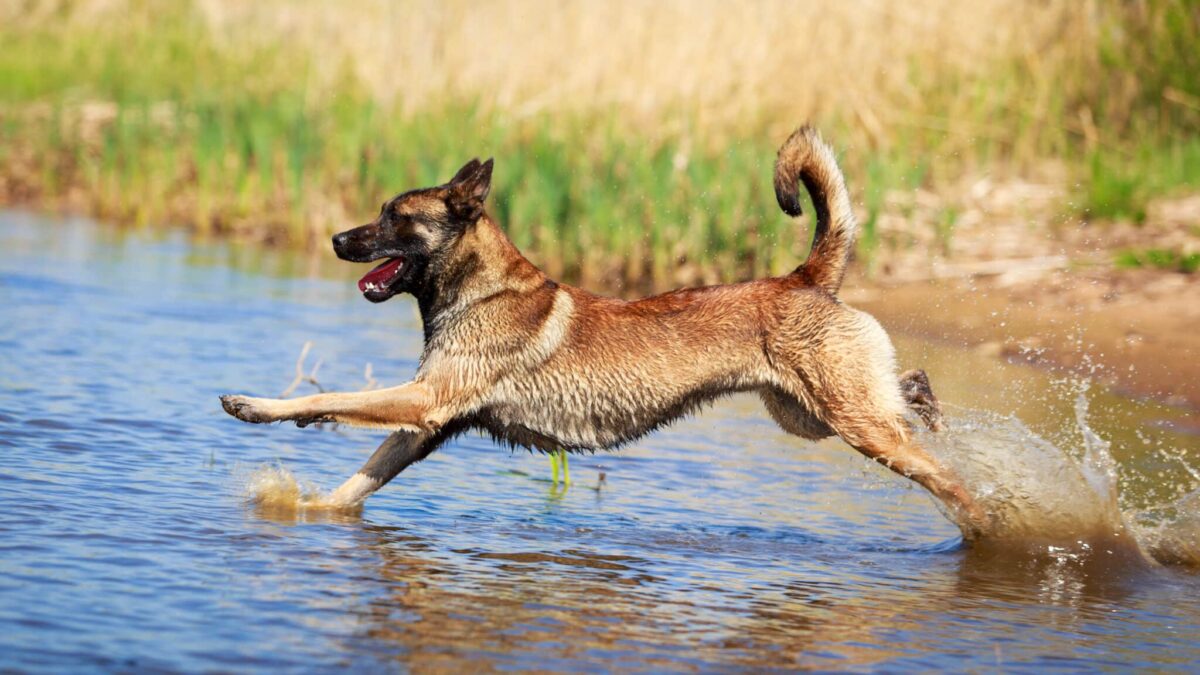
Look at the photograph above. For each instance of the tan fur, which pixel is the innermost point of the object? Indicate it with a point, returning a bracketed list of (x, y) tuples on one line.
[(805, 157), (548, 366)]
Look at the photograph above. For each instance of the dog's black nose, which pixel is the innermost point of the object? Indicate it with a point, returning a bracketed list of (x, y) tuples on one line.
[(339, 241)]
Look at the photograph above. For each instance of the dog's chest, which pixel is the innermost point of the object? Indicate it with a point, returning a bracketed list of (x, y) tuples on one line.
[(570, 409)]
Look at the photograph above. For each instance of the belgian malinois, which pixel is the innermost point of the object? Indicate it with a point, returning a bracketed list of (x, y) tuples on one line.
[(547, 366)]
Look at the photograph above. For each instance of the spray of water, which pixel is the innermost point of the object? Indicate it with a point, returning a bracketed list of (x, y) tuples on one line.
[(276, 493), (1172, 534), (1062, 501)]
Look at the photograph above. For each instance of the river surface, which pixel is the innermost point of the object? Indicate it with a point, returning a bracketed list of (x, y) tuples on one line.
[(129, 539)]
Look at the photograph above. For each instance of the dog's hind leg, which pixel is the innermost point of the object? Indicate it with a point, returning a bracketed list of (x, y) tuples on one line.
[(918, 394), (912, 461), (395, 454), (890, 445), (887, 443)]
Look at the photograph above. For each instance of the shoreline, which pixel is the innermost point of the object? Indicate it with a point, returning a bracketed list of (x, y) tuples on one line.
[(1133, 330)]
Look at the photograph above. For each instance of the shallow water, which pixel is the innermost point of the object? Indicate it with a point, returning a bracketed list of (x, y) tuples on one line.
[(127, 541)]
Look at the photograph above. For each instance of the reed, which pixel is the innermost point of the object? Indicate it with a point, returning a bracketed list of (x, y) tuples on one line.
[(634, 141)]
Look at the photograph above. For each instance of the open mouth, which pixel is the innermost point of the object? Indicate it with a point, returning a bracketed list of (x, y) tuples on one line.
[(382, 277)]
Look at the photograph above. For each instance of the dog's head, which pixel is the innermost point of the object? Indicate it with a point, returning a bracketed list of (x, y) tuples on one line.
[(414, 230)]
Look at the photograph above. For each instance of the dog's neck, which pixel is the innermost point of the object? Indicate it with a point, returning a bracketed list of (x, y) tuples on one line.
[(481, 264)]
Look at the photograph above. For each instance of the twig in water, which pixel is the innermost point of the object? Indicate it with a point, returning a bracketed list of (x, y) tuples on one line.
[(311, 378), (369, 376)]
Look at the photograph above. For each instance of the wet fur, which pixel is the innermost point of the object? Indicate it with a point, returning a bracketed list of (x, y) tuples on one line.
[(545, 365)]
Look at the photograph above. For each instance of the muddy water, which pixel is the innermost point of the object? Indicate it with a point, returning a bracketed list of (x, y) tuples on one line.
[(127, 541)]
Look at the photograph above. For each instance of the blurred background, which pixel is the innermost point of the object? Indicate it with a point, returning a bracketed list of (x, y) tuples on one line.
[(634, 140)]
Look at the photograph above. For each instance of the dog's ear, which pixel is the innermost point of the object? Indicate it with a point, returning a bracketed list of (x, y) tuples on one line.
[(469, 189), (467, 169)]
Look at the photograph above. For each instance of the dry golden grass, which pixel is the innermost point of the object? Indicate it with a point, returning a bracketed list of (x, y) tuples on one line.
[(717, 67)]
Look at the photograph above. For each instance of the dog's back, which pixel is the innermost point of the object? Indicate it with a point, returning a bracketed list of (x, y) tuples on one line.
[(622, 368)]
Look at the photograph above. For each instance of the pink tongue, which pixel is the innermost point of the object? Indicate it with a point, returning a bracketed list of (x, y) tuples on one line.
[(381, 275)]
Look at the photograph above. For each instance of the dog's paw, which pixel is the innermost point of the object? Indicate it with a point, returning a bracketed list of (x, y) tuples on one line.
[(243, 408)]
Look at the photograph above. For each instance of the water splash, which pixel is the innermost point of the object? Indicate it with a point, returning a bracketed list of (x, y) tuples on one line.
[(1042, 497), (276, 493), (1172, 534)]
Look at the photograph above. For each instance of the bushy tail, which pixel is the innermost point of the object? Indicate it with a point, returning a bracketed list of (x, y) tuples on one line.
[(805, 157)]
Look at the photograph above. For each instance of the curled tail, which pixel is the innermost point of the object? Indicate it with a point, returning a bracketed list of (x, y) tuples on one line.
[(805, 157)]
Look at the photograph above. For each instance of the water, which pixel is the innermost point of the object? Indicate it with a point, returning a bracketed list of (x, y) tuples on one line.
[(127, 540)]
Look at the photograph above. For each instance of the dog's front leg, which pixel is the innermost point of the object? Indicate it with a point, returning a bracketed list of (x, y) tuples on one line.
[(400, 450), (409, 407)]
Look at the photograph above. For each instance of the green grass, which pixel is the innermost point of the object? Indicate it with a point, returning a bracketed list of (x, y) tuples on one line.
[(1120, 185), (1148, 108), (152, 121), (1162, 259)]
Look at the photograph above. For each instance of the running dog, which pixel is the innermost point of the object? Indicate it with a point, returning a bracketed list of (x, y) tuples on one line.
[(547, 366)]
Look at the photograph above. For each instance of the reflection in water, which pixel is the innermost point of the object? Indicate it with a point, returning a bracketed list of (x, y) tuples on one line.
[(531, 605), (575, 606), (127, 541)]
